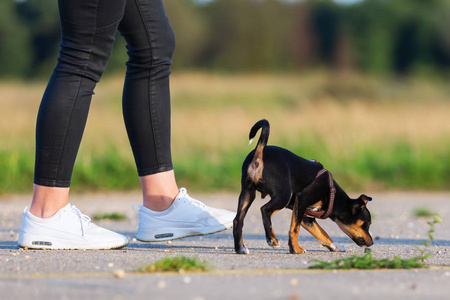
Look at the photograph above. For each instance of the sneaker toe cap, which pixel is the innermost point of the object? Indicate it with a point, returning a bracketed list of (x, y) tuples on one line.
[(222, 216), (107, 237)]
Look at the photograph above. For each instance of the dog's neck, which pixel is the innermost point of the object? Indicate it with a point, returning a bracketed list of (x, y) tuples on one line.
[(314, 211), (341, 204)]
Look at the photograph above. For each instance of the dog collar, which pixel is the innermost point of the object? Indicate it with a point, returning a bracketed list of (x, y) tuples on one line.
[(322, 214)]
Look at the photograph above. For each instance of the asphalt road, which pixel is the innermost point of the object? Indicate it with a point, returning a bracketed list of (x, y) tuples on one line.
[(265, 273)]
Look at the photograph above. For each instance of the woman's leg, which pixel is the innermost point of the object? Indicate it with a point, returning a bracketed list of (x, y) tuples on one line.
[(167, 213), (88, 33), (146, 98)]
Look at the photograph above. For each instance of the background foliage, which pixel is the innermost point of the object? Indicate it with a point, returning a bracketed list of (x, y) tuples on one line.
[(376, 36)]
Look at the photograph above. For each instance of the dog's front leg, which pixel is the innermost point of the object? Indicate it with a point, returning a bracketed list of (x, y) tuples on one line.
[(297, 213), (316, 231)]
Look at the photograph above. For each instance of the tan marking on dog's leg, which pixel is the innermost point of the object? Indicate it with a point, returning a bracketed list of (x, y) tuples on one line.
[(316, 231), (294, 230)]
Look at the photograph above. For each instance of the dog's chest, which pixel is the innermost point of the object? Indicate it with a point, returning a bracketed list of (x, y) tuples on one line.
[(316, 206)]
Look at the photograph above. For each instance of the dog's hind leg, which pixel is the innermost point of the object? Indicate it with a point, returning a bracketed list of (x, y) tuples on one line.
[(278, 201), (245, 200), (294, 248), (311, 225)]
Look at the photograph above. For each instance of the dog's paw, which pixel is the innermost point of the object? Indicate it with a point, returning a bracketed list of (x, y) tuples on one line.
[(273, 243), (242, 250), (297, 250), (338, 248)]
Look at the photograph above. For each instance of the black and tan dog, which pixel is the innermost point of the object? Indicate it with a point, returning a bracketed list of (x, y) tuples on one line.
[(303, 186)]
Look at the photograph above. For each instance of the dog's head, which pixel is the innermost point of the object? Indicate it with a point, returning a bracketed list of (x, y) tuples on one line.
[(356, 226)]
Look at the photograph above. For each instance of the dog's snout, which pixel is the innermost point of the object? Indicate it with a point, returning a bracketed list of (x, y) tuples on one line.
[(363, 242)]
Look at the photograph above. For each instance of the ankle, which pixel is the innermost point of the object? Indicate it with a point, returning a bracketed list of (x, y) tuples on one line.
[(48, 200), (158, 202), (45, 211), (159, 190)]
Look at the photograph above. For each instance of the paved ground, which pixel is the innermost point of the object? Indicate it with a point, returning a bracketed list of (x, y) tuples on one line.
[(265, 273)]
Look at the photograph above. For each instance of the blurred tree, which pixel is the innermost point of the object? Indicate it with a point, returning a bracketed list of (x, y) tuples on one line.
[(190, 28), (375, 36), (231, 34), (247, 35), (370, 25), (417, 24), (441, 43), (326, 27), (302, 42), (400, 36), (42, 20), (15, 51)]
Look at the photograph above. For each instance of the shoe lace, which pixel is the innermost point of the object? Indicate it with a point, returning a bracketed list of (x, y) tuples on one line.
[(187, 199), (84, 220)]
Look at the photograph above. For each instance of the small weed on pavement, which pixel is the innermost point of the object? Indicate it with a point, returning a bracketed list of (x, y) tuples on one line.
[(176, 264), (423, 212), (115, 216), (368, 262)]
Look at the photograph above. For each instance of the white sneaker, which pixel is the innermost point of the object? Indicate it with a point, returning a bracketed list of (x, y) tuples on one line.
[(67, 229), (185, 217)]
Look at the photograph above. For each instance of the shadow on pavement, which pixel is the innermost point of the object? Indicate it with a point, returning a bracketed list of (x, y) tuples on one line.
[(11, 245), (379, 241)]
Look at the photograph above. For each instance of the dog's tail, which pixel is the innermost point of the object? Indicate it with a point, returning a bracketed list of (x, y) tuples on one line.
[(264, 137)]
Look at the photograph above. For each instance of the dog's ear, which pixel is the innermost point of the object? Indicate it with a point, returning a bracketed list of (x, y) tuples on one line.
[(360, 203), (365, 198)]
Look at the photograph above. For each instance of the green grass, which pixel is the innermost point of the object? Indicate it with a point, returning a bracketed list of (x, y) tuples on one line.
[(372, 133), (108, 170), (423, 212), (115, 216), (396, 165), (393, 166), (16, 171), (176, 264), (367, 262)]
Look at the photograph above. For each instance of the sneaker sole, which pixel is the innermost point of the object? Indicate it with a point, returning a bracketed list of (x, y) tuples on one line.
[(168, 234), (49, 243)]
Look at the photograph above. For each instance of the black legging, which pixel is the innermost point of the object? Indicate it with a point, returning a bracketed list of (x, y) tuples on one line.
[(88, 31)]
